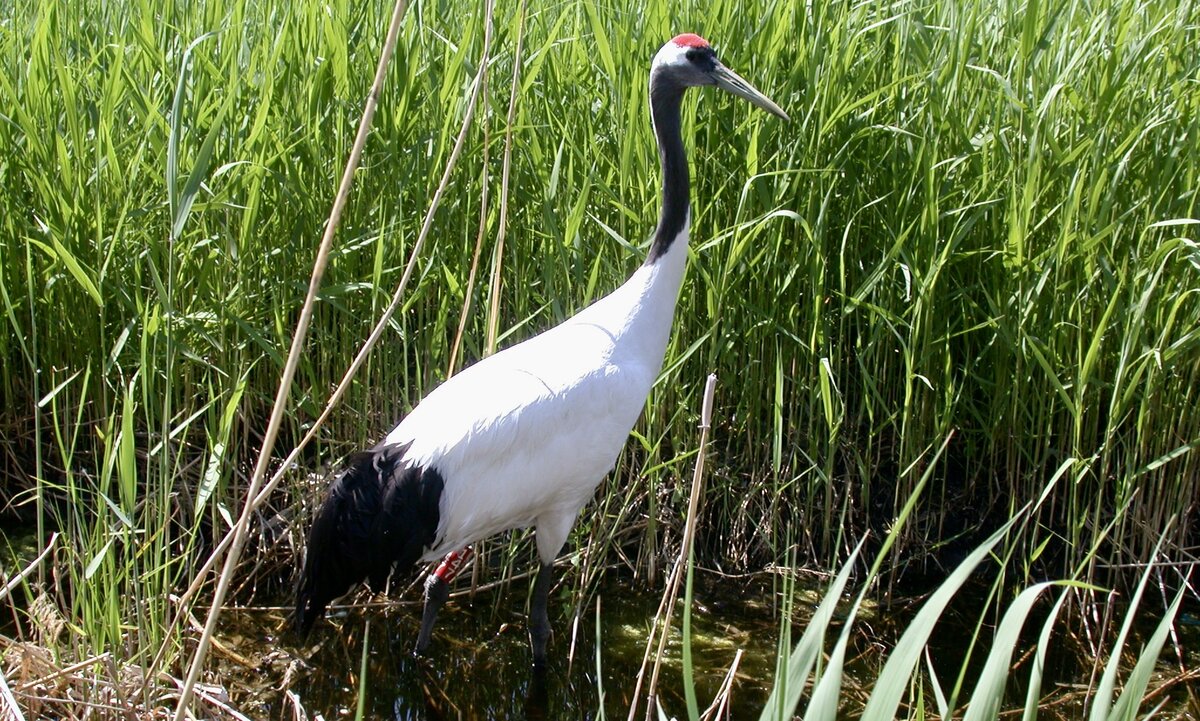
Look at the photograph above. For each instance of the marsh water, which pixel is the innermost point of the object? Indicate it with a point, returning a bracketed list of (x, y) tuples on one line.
[(478, 666), (479, 663)]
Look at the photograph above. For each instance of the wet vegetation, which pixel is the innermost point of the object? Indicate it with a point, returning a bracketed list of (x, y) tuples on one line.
[(953, 307)]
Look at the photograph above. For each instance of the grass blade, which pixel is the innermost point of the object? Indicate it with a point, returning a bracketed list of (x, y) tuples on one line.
[(893, 681)]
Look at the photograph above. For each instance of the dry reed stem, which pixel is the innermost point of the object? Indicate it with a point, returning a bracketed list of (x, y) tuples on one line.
[(12, 712), (25, 572), (360, 358), (689, 531), (498, 264), (469, 290), (97, 687), (721, 702), (293, 361)]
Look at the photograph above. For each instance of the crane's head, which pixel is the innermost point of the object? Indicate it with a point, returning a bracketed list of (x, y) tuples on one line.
[(689, 61)]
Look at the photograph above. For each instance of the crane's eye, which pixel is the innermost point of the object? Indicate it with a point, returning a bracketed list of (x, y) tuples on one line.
[(701, 57)]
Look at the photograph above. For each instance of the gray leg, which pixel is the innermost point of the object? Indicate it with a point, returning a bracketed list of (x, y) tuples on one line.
[(539, 619), (436, 593)]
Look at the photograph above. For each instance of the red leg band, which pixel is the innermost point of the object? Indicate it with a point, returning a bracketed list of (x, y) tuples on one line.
[(452, 564)]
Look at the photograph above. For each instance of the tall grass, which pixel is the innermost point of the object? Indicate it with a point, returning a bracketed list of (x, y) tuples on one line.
[(982, 221)]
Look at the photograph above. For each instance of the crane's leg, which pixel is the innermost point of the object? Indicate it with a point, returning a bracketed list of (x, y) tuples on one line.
[(539, 618), (552, 532), (436, 593), (437, 590)]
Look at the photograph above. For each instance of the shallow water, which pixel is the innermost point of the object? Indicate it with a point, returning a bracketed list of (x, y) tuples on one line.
[(478, 665)]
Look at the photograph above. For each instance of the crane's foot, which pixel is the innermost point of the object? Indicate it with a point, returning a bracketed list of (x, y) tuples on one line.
[(539, 618)]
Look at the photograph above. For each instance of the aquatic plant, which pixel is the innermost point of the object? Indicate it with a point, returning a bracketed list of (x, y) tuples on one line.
[(981, 223)]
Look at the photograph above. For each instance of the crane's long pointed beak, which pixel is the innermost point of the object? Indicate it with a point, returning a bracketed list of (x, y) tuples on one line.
[(726, 79)]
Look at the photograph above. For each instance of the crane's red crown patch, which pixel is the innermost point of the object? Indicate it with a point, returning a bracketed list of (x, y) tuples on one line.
[(690, 40)]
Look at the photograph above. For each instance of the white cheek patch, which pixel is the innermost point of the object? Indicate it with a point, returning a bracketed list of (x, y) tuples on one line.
[(671, 54)]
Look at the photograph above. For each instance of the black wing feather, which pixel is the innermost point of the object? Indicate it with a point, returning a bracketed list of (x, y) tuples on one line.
[(378, 513)]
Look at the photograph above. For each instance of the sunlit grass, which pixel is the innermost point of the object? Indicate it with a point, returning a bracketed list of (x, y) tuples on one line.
[(981, 222)]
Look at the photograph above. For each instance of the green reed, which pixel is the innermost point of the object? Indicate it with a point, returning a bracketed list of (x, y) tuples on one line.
[(981, 222)]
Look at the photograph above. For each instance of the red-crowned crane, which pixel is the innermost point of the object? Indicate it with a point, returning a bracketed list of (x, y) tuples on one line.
[(522, 438)]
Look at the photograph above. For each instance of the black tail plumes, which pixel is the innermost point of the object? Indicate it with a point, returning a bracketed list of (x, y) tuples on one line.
[(377, 514)]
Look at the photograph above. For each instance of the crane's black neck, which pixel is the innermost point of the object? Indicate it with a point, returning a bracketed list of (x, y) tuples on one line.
[(665, 100)]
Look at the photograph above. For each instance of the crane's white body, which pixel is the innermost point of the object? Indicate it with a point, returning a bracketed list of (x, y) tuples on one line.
[(522, 438)]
